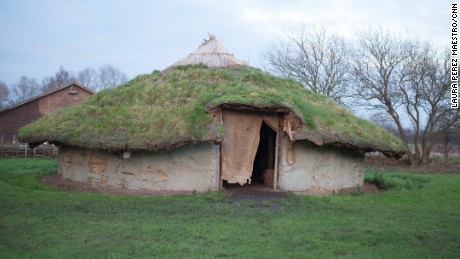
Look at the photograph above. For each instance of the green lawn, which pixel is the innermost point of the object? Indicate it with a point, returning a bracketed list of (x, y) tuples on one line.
[(419, 217)]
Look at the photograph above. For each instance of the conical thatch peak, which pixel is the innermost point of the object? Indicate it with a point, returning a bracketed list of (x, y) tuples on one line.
[(213, 54)]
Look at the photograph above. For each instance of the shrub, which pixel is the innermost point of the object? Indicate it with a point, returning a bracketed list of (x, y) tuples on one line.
[(397, 181)]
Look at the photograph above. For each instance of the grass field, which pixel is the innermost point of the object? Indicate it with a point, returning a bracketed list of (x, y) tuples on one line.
[(418, 217)]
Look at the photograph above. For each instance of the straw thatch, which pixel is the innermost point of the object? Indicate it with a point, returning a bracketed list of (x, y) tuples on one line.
[(213, 54)]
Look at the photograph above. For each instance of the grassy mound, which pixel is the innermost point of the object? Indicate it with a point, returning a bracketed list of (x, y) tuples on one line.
[(166, 108)]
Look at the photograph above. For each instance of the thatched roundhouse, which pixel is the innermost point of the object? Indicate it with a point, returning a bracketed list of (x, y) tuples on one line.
[(208, 120)]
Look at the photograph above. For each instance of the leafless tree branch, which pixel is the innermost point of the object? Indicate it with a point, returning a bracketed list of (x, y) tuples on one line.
[(407, 79), (318, 60)]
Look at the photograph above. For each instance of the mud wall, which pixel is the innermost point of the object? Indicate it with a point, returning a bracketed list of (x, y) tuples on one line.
[(188, 168), (318, 169)]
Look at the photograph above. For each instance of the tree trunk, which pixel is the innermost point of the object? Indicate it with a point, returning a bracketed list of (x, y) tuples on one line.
[(445, 151), (425, 155), (446, 156), (414, 159)]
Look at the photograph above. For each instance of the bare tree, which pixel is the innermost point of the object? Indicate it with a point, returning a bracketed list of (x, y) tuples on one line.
[(384, 120), (4, 94), (61, 78), (25, 88), (110, 76), (88, 77), (320, 61), (449, 133), (408, 80)]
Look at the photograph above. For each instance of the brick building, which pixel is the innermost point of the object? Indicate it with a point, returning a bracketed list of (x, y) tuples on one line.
[(14, 117)]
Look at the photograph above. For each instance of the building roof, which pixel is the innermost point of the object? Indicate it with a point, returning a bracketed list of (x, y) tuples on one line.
[(182, 105), (45, 94), (213, 54)]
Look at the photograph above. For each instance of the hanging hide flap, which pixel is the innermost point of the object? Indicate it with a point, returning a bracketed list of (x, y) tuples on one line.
[(271, 120), (242, 135)]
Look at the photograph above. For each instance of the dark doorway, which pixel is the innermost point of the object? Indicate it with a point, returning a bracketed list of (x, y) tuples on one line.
[(264, 163)]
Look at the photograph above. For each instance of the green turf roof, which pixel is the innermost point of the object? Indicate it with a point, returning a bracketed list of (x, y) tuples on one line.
[(171, 108)]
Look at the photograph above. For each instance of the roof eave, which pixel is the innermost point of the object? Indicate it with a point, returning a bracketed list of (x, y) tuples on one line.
[(320, 138)]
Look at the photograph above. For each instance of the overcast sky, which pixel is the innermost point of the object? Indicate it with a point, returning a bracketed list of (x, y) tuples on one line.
[(38, 36)]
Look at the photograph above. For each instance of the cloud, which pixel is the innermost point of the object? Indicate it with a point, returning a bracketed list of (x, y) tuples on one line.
[(140, 36)]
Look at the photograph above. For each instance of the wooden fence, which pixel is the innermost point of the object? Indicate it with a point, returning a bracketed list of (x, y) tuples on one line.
[(23, 150)]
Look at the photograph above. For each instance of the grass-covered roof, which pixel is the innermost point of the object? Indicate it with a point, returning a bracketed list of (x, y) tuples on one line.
[(169, 108), (181, 105)]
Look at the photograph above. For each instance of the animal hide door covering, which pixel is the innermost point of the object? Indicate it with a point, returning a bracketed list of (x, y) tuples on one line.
[(242, 136)]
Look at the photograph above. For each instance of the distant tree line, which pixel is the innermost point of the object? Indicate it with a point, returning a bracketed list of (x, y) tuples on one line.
[(107, 76), (403, 83)]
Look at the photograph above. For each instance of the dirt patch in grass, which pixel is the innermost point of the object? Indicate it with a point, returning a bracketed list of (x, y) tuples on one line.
[(370, 188), (261, 193), (254, 192), (434, 167), (248, 192), (403, 165)]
